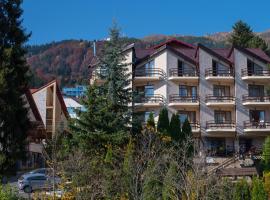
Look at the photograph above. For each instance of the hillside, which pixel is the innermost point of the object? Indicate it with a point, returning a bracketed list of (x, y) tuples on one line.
[(68, 60)]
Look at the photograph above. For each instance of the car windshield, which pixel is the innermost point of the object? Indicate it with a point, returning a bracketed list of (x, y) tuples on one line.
[(41, 171)]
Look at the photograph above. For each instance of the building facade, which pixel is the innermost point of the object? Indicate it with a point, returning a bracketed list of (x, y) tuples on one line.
[(222, 92)]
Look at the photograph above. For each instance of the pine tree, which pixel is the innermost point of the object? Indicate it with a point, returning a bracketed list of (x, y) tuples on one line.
[(242, 191), (151, 121), (242, 34), (175, 127), (163, 121), (258, 42), (266, 154), (258, 191), (186, 137), (118, 90), (14, 72)]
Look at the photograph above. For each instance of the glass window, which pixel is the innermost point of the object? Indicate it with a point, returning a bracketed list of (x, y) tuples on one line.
[(149, 68), (222, 116), (190, 115), (221, 90), (149, 90), (185, 91), (256, 90), (256, 115)]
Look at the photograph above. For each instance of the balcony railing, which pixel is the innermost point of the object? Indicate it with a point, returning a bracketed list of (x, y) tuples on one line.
[(218, 99), (220, 125), (247, 98), (183, 73), (149, 99), (175, 98), (155, 72), (246, 72), (195, 125), (256, 125), (222, 73)]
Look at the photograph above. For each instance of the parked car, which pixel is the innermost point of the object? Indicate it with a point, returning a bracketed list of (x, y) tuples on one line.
[(36, 181), (41, 171)]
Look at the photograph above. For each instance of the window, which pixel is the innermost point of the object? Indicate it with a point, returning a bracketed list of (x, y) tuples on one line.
[(253, 68), (185, 91), (219, 69), (37, 178), (149, 90), (149, 68), (255, 90), (222, 116), (221, 90), (190, 115), (180, 67), (256, 115)]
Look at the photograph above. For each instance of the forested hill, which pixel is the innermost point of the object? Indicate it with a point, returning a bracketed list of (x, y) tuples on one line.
[(67, 60)]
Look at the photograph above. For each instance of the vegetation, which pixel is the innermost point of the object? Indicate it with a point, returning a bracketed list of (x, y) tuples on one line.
[(6, 193), (163, 121), (258, 191), (175, 127), (266, 155), (14, 122), (244, 37), (242, 190)]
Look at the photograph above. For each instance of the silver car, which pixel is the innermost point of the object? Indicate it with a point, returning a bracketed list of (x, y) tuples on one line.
[(45, 171), (38, 181)]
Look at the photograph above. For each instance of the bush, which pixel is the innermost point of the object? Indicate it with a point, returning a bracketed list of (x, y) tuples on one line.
[(163, 121), (242, 191), (258, 190), (7, 193)]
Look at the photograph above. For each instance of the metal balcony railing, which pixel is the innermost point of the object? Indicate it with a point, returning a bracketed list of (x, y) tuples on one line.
[(256, 125), (183, 73), (143, 72), (175, 98), (149, 99), (220, 125), (246, 72), (247, 98), (219, 99), (195, 125), (226, 73)]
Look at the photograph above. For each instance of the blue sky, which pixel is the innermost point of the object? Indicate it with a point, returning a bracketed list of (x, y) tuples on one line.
[(54, 20)]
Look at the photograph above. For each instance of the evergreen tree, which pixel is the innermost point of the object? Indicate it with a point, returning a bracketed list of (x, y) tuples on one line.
[(163, 121), (186, 130), (242, 191), (168, 189), (258, 42), (14, 73), (151, 121), (266, 154), (258, 191), (242, 34), (175, 127), (118, 90)]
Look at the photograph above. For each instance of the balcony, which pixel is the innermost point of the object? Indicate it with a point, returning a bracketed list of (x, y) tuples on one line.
[(255, 128), (195, 127), (148, 101), (220, 101), (191, 76), (222, 129), (256, 101), (142, 75), (226, 76), (261, 76), (184, 101)]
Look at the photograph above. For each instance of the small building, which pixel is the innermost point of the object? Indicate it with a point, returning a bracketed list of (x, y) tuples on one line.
[(78, 91), (73, 107)]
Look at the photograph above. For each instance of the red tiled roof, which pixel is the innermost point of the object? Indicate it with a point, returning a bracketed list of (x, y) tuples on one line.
[(260, 53), (175, 41)]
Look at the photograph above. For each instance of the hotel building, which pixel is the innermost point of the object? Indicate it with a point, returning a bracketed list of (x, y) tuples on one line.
[(222, 92)]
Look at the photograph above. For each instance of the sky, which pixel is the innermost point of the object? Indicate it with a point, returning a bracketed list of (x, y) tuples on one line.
[(56, 20)]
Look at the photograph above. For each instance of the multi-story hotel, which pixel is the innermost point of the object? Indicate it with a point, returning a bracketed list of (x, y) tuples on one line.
[(222, 92)]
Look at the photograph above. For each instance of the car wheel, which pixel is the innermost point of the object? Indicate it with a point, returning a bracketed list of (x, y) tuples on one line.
[(27, 189)]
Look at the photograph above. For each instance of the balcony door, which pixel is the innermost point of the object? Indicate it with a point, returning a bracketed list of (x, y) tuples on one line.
[(187, 91), (221, 90), (253, 68), (257, 115), (255, 90), (190, 115), (180, 68), (149, 68), (219, 69), (222, 116)]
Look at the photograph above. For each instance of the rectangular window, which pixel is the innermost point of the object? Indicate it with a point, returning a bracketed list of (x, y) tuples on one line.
[(149, 90), (149, 67), (190, 115), (221, 90), (255, 90), (187, 91), (180, 68), (222, 116), (256, 115)]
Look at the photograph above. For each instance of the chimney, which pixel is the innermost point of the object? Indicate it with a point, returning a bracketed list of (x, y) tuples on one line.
[(94, 48)]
